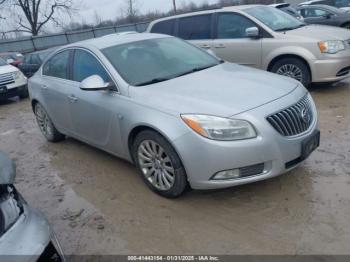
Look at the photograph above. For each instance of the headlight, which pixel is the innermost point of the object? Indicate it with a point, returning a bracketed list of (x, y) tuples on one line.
[(331, 47), (218, 128), (10, 207), (17, 74)]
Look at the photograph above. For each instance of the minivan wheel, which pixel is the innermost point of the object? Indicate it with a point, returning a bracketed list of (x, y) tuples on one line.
[(294, 68), (159, 164), (46, 126)]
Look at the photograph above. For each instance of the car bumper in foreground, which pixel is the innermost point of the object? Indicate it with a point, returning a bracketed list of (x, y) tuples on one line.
[(268, 155), (30, 239)]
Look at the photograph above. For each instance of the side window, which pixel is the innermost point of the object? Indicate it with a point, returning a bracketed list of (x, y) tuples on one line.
[(27, 59), (314, 12), (57, 66), (85, 65), (232, 26), (195, 27), (164, 27), (342, 3), (36, 60)]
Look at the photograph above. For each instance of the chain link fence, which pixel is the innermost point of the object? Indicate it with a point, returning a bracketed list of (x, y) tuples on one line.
[(30, 44)]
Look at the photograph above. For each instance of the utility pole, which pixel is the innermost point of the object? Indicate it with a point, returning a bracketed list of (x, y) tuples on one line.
[(174, 4)]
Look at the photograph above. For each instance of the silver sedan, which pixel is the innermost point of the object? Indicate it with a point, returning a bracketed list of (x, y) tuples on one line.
[(184, 117)]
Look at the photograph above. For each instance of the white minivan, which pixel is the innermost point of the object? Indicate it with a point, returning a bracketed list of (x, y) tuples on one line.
[(12, 82)]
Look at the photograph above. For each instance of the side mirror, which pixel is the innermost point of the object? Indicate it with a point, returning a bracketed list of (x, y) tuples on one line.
[(10, 61), (252, 32), (7, 170), (94, 83)]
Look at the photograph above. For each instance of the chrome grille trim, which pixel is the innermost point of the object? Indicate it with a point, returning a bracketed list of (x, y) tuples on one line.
[(293, 120), (7, 78)]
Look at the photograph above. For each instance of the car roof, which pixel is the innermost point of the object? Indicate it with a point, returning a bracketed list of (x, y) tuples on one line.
[(116, 39)]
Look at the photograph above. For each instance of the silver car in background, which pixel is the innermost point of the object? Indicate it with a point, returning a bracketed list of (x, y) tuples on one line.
[(266, 38), (180, 114), (25, 234)]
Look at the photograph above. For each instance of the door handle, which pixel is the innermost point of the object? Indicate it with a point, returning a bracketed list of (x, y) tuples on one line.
[(73, 98), (204, 46), (220, 46), (44, 87)]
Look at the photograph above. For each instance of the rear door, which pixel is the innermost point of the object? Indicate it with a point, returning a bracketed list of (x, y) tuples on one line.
[(55, 81), (231, 43), (197, 29)]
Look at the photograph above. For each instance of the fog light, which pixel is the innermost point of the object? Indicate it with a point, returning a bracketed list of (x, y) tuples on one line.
[(227, 174)]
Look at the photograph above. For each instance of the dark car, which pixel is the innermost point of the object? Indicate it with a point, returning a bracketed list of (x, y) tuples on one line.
[(32, 62), (325, 15), (343, 4), (285, 7), (12, 58)]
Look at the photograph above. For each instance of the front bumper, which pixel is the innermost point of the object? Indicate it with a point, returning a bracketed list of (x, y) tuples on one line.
[(203, 158), (14, 89), (335, 68), (28, 239)]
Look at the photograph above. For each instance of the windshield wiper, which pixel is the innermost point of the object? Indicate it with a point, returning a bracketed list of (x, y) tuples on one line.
[(289, 28), (196, 70), (153, 81)]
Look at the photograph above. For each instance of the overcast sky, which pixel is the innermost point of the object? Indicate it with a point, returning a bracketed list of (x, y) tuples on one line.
[(109, 9)]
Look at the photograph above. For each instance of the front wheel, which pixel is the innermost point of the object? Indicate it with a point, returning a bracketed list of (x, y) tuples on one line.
[(294, 68), (159, 164), (46, 126)]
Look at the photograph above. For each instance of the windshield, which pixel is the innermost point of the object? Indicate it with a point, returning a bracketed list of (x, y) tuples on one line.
[(155, 60), (274, 18), (2, 62)]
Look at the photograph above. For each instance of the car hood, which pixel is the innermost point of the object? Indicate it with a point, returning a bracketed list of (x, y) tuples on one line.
[(224, 90), (7, 69), (321, 32), (7, 170)]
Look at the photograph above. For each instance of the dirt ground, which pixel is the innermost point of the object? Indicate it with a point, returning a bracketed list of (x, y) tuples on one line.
[(98, 204)]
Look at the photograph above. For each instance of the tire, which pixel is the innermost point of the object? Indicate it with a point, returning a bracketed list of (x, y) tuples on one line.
[(46, 126), (346, 26), (294, 68), (159, 164), (24, 94)]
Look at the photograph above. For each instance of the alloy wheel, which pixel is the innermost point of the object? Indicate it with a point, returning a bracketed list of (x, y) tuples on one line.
[(44, 121), (292, 71), (156, 165)]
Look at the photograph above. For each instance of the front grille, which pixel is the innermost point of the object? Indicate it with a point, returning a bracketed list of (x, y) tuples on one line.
[(251, 170), (6, 79), (293, 120)]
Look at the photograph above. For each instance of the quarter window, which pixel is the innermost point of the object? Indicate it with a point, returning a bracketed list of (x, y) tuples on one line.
[(85, 65), (57, 66), (195, 27), (231, 26), (164, 27)]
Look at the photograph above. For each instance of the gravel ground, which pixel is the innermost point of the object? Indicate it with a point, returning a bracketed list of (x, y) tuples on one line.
[(97, 203)]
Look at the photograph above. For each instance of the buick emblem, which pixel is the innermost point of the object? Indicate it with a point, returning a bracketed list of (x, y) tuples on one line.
[(305, 115)]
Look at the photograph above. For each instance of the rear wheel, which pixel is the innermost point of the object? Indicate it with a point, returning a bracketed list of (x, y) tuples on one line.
[(294, 68), (46, 126), (346, 26), (159, 164)]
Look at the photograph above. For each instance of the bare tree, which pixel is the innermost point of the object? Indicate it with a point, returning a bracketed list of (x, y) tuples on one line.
[(174, 6), (130, 10), (31, 16)]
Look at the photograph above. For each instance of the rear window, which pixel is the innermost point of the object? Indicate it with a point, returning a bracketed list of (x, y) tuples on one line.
[(195, 27), (164, 27)]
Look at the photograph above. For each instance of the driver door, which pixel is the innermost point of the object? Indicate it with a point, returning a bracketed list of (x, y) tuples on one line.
[(231, 43)]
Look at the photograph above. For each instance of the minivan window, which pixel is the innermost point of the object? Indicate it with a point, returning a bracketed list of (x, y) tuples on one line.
[(164, 27), (274, 18), (157, 60), (57, 66), (195, 27), (232, 26), (85, 65)]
